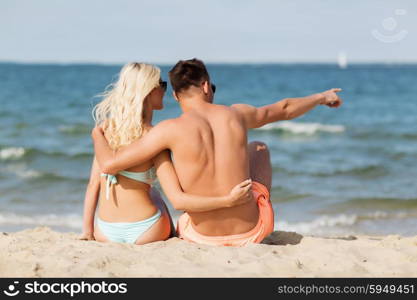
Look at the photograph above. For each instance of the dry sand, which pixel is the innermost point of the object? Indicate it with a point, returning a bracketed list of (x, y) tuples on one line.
[(42, 252)]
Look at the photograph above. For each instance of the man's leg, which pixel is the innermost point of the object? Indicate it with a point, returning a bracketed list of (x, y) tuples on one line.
[(260, 163), (261, 172)]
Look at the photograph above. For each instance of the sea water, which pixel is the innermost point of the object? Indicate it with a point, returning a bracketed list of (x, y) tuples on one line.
[(350, 170)]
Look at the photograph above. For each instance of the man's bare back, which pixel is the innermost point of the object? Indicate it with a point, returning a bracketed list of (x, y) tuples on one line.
[(210, 156)]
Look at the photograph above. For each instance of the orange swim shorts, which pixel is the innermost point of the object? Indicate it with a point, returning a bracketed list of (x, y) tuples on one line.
[(263, 228)]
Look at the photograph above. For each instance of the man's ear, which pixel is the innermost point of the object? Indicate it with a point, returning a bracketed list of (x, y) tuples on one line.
[(206, 87), (175, 96)]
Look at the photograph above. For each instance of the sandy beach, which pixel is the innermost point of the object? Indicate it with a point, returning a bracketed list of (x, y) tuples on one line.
[(42, 252)]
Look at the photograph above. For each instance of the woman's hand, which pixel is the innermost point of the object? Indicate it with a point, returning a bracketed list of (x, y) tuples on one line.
[(240, 194), (86, 236)]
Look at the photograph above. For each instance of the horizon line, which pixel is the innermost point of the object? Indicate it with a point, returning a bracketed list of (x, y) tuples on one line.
[(209, 62)]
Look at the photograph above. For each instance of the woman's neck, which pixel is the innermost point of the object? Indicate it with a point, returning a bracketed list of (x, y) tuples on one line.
[(147, 120)]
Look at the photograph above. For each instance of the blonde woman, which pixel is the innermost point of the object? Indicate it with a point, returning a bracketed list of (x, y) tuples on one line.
[(130, 210)]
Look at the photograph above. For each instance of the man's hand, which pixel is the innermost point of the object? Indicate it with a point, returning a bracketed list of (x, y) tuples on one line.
[(240, 194), (331, 99), (98, 130)]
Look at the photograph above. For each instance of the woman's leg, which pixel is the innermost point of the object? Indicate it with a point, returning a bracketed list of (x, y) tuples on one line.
[(159, 231), (98, 235), (157, 198), (163, 228)]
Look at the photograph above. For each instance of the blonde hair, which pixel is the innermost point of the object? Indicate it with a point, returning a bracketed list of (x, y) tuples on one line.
[(121, 110)]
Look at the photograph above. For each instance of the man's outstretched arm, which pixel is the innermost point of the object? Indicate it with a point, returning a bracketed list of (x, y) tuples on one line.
[(286, 109), (140, 151)]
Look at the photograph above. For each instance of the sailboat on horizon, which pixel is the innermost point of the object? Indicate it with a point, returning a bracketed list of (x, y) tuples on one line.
[(342, 60)]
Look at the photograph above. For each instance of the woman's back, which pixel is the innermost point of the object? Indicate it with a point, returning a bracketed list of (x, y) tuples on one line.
[(127, 213), (129, 199)]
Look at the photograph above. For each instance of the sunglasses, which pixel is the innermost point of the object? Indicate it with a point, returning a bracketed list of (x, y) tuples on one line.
[(213, 87), (163, 85)]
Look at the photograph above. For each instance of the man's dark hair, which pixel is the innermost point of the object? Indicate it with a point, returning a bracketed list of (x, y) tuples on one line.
[(187, 73)]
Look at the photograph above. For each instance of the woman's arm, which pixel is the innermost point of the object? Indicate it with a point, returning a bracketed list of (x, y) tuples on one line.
[(167, 176), (90, 202)]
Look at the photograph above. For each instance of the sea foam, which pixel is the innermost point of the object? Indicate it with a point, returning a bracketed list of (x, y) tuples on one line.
[(21, 171), (303, 128), (72, 221), (335, 224), (12, 153)]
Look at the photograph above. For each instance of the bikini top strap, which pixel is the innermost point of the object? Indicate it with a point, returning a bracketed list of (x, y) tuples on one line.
[(110, 179)]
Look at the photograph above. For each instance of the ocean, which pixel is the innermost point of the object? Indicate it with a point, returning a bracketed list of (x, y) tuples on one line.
[(341, 171)]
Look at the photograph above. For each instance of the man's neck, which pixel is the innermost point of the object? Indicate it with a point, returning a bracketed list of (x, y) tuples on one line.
[(193, 103)]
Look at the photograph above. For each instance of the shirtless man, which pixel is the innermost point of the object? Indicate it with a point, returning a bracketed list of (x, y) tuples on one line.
[(211, 154)]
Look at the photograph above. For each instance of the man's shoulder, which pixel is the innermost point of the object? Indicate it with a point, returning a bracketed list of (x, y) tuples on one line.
[(167, 124), (243, 109), (240, 106), (225, 108)]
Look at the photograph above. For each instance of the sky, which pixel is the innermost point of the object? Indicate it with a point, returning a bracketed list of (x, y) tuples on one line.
[(217, 31)]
